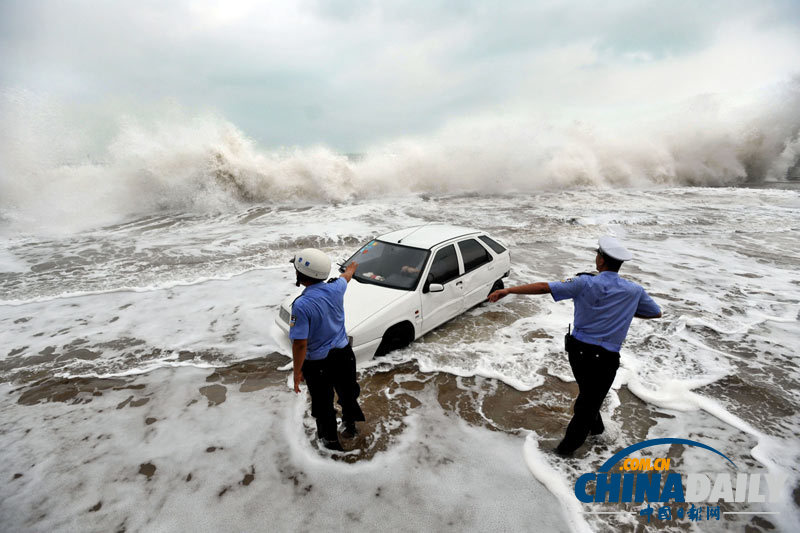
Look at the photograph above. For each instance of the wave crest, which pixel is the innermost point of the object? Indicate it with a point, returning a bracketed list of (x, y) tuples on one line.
[(206, 164)]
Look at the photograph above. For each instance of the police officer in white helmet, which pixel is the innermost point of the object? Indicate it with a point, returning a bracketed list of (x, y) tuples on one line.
[(320, 349), (605, 305)]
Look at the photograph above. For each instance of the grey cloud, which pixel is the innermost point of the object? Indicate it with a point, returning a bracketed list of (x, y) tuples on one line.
[(337, 72)]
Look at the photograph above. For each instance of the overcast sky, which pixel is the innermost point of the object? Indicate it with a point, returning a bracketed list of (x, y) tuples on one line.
[(354, 74)]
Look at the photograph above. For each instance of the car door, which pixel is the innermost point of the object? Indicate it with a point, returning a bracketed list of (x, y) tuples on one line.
[(439, 307), (479, 272)]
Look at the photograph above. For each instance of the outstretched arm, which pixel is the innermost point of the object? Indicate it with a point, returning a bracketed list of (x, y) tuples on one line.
[(540, 287), (349, 271)]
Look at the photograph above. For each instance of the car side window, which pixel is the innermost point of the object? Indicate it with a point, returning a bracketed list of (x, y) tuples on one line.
[(474, 254), (445, 265), (493, 244)]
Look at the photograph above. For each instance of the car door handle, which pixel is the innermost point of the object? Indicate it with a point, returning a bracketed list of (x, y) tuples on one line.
[(459, 282)]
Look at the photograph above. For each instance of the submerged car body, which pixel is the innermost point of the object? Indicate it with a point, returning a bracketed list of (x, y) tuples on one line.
[(410, 281)]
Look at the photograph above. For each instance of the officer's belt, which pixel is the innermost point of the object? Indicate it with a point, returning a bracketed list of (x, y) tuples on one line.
[(573, 344)]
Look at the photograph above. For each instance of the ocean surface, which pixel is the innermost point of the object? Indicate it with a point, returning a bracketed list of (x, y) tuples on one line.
[(144, 385)]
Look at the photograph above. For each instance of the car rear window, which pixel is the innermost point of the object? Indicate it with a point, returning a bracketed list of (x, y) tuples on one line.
[(445, 265), (493, 244), (474, 254)]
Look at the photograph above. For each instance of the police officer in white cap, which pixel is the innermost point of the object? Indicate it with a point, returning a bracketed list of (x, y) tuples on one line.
[(605, 305), (320, 349)]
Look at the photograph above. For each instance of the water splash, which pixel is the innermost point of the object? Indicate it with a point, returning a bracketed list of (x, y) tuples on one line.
[(58, 172)]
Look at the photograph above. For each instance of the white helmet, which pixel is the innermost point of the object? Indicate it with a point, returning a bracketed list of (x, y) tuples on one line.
[(313, 263)]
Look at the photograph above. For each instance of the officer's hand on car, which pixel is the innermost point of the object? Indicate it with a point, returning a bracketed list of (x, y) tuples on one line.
[(298, 377), (349, 271), (496, 295)]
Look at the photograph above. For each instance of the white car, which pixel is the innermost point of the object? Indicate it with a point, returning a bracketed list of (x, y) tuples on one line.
[(412, 280)]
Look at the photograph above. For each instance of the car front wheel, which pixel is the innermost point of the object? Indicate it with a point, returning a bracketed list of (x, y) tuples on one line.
[(396, 337)]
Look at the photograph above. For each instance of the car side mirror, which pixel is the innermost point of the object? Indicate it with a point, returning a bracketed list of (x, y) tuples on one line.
[(435, 287)]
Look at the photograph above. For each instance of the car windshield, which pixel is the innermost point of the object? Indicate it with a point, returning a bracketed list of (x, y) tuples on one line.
[(389, 265)]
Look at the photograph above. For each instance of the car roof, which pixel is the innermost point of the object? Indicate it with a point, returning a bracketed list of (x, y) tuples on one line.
[(428, 235)]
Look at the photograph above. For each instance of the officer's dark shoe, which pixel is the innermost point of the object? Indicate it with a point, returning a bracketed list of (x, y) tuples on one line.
[(562, 452), (350, 430), (597, 431), (332, 444)]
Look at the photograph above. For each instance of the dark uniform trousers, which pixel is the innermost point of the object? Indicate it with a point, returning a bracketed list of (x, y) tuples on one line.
[(336, 372), (594, 369)]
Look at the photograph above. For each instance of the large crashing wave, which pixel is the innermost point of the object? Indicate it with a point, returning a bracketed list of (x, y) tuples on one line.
[(48, 176)]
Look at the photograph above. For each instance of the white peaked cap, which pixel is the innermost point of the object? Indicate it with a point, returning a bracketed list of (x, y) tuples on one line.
[(613, 248)]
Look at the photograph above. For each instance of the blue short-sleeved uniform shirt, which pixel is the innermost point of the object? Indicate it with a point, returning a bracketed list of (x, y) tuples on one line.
[(318, 315), (604, 307)]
